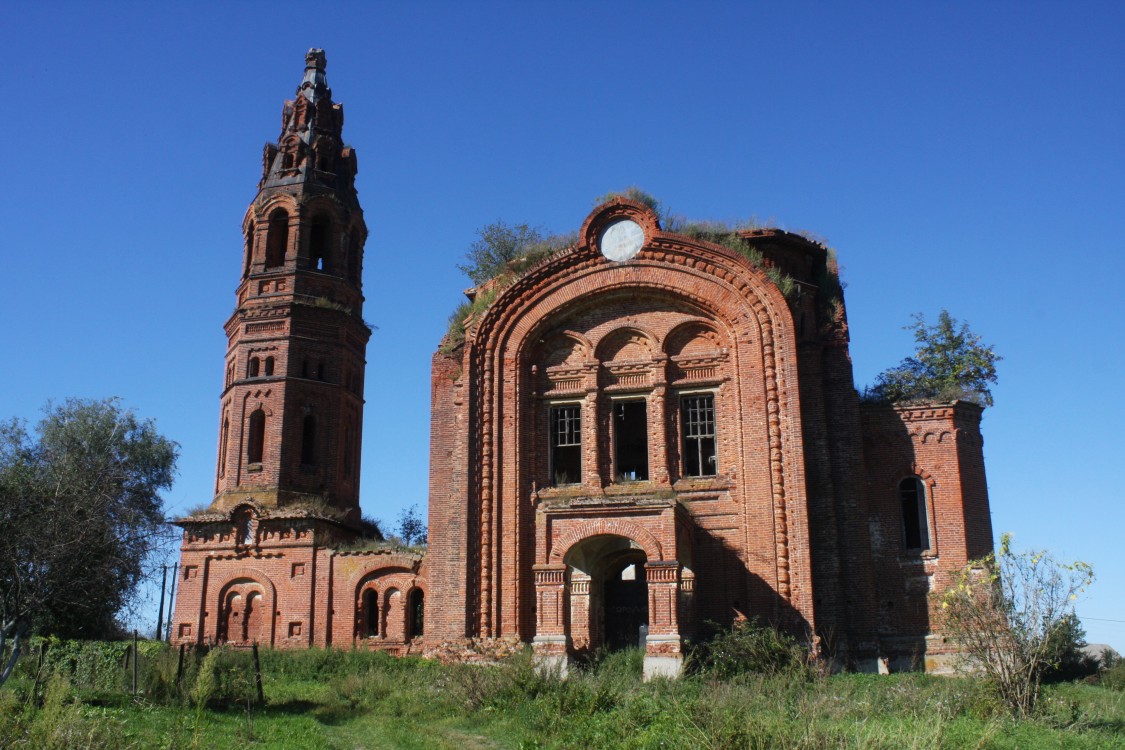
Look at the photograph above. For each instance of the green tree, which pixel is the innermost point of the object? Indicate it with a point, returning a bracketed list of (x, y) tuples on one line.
[(1013, 615), (497, 245), (950, 363), (80, 516), (411, 527)]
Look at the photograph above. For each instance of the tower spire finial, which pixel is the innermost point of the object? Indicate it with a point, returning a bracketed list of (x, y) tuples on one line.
[(310, 149), (314, 86)]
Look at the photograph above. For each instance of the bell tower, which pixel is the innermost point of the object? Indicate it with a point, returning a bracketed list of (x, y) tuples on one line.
[(292, 402)]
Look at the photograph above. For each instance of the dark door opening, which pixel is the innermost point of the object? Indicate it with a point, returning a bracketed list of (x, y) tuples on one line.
[(626, 606), (630, 440)]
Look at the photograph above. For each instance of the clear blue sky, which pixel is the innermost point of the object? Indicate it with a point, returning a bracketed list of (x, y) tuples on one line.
[(960, 155)]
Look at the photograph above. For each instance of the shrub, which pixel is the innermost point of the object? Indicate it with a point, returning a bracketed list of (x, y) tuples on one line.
[(496, 246), (633, 193), (456, 333), (751, 647), (225, 676), (1009, 612), (1114, 677)]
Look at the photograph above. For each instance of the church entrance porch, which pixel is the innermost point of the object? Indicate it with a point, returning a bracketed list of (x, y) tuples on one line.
[(613, 583), (608, 594)]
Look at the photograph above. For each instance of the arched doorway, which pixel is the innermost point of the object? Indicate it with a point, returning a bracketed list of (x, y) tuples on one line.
[(625, 603), (608, 593), (242, 614)]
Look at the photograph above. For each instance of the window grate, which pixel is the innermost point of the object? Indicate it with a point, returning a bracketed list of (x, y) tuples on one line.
[(698, 421)]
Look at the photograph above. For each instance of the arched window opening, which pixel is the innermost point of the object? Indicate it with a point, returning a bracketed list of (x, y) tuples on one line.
[(244, 528), (912, 495), (308, 441), (324, 158), (256, 440), (305, 367), (320, 234), (277, 239), (320, 371), (269, 366), (371, 613), (253, 367), (248, 254), (417, 613), (223, 447)]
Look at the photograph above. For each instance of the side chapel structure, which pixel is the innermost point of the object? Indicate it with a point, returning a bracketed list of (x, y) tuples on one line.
[(640, 434)]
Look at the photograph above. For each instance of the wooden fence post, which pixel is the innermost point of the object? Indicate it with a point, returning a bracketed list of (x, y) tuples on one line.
[(258, 675), (135, 660), (180, 665)]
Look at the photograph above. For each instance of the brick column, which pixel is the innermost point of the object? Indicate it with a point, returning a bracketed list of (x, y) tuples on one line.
[(663, 652), (591, 474), (658, 435), (581, 626), (658, 428), (552, 642), (551, 608)]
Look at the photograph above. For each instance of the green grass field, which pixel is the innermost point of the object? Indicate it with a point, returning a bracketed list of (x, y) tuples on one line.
[(350, 700)]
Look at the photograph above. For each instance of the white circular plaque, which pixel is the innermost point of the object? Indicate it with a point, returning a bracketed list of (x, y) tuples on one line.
[(622, 240)]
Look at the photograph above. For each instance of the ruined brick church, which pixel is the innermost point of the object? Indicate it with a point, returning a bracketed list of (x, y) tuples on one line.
[(640, 434)]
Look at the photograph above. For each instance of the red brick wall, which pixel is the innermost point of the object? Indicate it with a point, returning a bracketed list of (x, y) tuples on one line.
[(750, 547), (940, 444)]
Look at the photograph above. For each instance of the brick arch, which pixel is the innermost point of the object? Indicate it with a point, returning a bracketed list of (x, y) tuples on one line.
[(382, 564), (739, 303), (578, 340), (382, 580), (915, 471), (619, 208), (261, 213), (601, 351), (325, 209), (269, 594), (608, 527), (316, 205), (674, 336), (396, 580), (712, 280)]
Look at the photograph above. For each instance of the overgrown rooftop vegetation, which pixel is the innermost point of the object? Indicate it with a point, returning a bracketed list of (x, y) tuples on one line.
[(951, 363), (502, 252)]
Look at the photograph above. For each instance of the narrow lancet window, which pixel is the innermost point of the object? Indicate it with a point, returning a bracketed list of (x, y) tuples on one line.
[(277, 239), (223, 447), (371, 613), (916, 532), (256, 439), (320, 234), (417, 613), (308, 441)]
